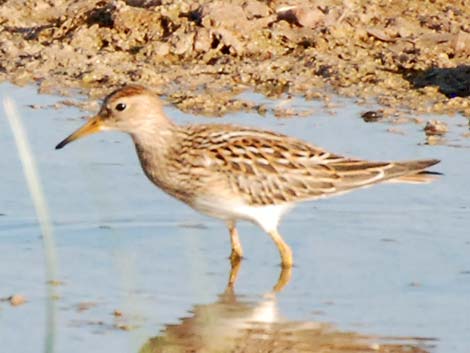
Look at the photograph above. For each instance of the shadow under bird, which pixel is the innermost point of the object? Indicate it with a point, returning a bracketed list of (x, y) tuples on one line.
[(234, 172)]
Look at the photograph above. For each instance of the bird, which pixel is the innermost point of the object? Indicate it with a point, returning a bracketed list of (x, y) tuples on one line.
[(237, 173)]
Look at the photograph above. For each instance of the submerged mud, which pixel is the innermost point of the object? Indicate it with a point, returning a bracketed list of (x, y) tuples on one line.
[(201, 55)]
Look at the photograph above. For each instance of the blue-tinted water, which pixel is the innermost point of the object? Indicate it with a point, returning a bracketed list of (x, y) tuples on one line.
[(390, 260)]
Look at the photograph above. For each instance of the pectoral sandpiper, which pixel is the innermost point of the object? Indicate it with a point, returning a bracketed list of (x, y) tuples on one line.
[(234, 172)]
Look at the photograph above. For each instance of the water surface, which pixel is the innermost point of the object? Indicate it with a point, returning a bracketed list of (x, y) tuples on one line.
[(390, 261)]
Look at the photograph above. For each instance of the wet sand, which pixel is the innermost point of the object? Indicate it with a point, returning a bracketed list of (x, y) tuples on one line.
[(407, 56)]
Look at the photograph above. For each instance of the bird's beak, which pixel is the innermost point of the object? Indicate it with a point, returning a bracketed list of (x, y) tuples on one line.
[(94, 125)]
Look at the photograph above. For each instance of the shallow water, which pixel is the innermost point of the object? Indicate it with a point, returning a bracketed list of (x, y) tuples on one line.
[(390, 261)]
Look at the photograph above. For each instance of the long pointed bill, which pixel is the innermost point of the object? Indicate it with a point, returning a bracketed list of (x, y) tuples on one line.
[(93, 125)]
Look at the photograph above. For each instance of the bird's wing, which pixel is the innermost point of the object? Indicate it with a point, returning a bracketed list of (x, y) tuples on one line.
[(270, 168)]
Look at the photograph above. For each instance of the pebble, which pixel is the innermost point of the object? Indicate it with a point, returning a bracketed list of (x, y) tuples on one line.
[(17, 299), (435, 128)]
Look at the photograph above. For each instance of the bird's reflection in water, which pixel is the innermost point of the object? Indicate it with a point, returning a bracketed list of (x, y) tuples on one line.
[(232, 324)]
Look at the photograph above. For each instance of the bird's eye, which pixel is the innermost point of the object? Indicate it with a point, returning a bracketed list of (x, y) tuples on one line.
[(120, 107)]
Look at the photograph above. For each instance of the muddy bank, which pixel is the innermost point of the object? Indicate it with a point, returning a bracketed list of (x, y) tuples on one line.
[(410, 56)]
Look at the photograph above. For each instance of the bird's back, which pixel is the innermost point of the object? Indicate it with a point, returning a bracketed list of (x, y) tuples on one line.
[(267, 168)]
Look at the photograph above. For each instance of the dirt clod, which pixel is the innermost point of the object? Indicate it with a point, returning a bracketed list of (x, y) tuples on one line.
[(411, 56), (372, 116), (435, 128)]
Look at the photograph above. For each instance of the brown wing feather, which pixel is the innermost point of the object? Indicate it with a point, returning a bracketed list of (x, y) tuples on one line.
[(270, 168)]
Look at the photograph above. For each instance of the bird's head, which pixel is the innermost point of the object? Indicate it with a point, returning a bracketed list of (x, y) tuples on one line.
[(130, 109)]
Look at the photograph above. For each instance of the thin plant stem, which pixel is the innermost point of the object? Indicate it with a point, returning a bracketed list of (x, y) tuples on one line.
[(42, 212)]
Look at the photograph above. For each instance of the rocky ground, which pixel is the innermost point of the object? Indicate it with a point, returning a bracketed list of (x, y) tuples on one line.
[(410, 56)]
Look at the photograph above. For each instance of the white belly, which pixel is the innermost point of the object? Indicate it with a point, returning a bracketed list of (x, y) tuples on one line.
[(267, 217)]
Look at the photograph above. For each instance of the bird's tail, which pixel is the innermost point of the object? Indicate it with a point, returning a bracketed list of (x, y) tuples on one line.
[(414, 172)]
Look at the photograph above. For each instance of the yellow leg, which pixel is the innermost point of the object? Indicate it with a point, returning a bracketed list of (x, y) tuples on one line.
[(233, 274), (237, 251), (284, 278), (284, 249)]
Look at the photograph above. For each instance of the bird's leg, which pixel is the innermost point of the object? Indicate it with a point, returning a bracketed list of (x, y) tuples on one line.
[(284, 278), (284, 249), (237, 252), (235, 267)]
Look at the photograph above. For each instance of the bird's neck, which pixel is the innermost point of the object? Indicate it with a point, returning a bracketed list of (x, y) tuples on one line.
[(153, 148), (154, 133), (154, 137)]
